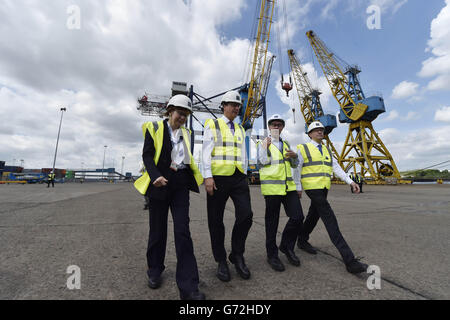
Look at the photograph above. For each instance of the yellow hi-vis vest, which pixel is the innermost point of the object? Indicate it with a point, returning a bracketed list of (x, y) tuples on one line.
[(317, 168), (227, 153), (276, 177), (156, 130)]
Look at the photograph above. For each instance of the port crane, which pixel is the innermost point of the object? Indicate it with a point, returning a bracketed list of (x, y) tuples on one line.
[(363, 150)]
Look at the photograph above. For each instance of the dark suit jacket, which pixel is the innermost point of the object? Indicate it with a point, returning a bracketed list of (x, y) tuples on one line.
[(163, 166)]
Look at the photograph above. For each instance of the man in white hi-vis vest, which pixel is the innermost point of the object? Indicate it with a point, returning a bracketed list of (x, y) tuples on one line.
[(316, 165)]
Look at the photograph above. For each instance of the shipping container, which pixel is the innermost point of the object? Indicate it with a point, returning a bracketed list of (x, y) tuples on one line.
[(15, 169)]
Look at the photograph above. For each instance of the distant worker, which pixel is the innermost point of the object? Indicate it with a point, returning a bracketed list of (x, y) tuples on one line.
[(276, 159), (170, 174), (224, 168), (317, 166), (51, 179), (357, 178)]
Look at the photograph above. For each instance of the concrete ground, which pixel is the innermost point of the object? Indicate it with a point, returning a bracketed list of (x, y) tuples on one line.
[(102, 229)]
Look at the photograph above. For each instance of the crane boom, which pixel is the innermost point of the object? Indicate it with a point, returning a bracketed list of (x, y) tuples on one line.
[(336, 79), (256, 84)]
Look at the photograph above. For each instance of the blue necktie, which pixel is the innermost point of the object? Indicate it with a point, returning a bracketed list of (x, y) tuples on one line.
[(231, 127), (320, 148)]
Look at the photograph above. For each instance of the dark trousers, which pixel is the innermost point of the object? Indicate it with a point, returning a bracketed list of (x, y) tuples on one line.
[(320, 208), (52, 182), (293, 209), (178, 201), (236, 187)]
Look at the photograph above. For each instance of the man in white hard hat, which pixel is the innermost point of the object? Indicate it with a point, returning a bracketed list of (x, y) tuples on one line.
[(224, 169), (276, 159), (316, 165)]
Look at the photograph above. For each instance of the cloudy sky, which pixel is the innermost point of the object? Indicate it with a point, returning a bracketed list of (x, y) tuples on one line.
[(96, 66)]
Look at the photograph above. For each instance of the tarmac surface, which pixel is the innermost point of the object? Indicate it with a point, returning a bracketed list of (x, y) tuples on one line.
[(103, 229)]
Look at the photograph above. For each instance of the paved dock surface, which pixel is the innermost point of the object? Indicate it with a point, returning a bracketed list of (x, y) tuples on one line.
[(103, 229)]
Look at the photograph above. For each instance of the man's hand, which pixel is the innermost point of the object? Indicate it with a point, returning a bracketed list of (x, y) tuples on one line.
[(160, 182), (299, 194), (267, 142), (355, 188), (291, 154), (210, 186)]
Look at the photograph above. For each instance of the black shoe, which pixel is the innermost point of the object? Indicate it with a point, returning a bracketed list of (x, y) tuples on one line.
[(290, 255), (305, 246), (240, 266), (355, 266), (196, 295), (276, 264), (223, 273), (154, 282)]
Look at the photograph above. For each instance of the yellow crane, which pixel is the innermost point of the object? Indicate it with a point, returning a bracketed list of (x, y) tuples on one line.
[(253, 92), (363, 149), (309, 98)]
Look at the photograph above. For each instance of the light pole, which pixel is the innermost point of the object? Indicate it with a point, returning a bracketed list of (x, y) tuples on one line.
[(57, 139), (121, 171), (103, 169)]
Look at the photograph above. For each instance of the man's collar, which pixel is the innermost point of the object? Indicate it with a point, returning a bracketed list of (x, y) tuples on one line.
[(226, 119), (314, 143)]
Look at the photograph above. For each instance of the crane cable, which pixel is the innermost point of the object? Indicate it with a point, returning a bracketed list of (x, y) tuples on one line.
[(252, 42), (284, 27)]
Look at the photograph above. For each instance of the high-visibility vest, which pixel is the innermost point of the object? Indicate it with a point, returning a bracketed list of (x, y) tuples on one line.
[(51, 176), (226, 156), (156, 131), (317, 168), (356, 177), (276, 177)]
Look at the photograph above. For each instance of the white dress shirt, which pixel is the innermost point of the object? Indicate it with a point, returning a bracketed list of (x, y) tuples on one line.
[(208, 147), (178, 152), (336, 169)]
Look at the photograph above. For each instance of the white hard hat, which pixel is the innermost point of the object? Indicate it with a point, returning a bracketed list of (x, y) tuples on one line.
[(231, 96), (276, 117), (181, 101), (315, 125)]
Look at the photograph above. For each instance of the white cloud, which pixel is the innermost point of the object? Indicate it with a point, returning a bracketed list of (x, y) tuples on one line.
[(438, 66), (417, 149), (442, 114), (393, 115), (123, 49), (389, 5), (412, 115), (405, 89)]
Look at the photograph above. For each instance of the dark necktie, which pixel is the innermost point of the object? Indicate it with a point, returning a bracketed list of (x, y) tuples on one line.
[(320, 148), (231, 127)]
